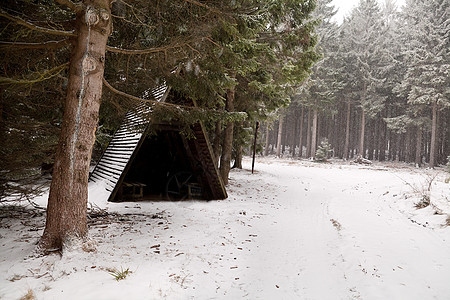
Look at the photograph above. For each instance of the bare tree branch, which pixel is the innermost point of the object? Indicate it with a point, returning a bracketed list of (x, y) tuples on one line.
[(34, 27), (43, 45)]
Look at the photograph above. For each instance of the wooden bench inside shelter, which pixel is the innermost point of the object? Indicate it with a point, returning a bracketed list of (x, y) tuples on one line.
[(131, 190)]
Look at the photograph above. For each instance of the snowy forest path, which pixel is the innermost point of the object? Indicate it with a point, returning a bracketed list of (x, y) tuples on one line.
[(293, 230), (348, 239)]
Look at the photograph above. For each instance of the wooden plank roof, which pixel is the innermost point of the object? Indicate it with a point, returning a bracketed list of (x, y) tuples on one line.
[(112, 165)]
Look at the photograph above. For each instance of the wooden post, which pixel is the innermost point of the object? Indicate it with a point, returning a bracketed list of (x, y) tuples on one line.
[(254, 146)]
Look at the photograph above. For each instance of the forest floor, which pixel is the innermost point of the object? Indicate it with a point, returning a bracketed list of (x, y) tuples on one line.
[(293, 230)]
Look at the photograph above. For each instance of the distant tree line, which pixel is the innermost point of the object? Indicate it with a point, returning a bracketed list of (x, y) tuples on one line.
[(381, 89)]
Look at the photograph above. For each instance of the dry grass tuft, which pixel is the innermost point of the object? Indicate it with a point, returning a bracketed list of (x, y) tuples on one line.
[(28, 296), (336, 224)]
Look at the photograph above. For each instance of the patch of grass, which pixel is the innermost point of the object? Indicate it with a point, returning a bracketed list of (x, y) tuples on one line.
[(423, 191), (28, 296), (119, 274)]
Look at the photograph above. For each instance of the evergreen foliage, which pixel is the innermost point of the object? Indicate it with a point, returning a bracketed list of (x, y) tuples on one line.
[(267, 45), (323, 151)]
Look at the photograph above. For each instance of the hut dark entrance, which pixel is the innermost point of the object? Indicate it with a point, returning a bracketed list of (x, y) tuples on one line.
[(164, 165)]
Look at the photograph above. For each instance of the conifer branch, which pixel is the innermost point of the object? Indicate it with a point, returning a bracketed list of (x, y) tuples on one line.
[(153, 50), (34, 27), (42, 77), (43, 45), (116, 91), (75, 7), (205, 6)]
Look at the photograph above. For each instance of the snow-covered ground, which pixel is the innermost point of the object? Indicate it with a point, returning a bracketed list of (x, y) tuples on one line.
[(293, 230)]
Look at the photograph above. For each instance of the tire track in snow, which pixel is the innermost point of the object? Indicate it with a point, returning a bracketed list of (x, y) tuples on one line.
[(314, 240)]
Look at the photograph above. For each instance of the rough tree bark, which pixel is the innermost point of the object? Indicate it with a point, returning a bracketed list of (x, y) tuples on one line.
[(67, 203), (227, 146)]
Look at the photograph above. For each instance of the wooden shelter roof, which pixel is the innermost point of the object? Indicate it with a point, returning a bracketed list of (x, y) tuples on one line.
[(128, 139)]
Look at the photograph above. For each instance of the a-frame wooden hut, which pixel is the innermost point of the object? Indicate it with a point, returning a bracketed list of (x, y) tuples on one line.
[(164, 165)]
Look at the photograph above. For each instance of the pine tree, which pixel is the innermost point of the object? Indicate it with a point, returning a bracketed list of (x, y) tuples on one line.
[(318, 92), (323, 151), (426, 82), (363, 32)]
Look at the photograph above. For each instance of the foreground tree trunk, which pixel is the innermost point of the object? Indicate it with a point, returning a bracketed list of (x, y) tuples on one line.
[(67, 203), (227, 146)]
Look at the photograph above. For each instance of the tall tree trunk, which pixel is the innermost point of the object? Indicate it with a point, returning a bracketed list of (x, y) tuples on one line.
[(1, 107), (227, 146), (314, 134), (347, 130), (300, 142), (433, 136), (397, 146), (308, 134), (67, 202), (280, 134), (238, 159), (408, 145), (418, 159), (382, 141), (266, 148), (362, 132), (284, 137), (370, 139), (294, 136), (216, 142)]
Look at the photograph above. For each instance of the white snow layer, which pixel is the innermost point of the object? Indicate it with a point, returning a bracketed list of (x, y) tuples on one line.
[(293, 230)]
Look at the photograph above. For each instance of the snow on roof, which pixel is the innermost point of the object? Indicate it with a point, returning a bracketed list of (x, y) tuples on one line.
[(124, 143)]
